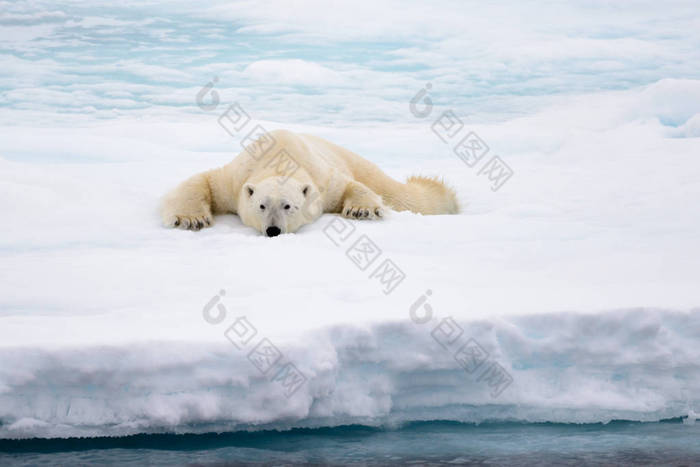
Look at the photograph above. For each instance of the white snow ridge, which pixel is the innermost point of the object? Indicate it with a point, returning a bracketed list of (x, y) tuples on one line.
[(633, 364)]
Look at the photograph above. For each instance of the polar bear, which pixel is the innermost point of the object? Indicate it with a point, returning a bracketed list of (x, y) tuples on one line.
[(285, 180)]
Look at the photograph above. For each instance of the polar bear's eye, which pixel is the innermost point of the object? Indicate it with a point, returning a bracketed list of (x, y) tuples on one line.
[(286, 206), (262, 206)]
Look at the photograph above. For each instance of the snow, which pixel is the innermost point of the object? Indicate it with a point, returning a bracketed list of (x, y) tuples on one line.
[(636, 364), (578, 277)]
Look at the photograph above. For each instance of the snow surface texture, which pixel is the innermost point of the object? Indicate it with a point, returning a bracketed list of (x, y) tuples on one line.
[(637, 364), (578, 277)]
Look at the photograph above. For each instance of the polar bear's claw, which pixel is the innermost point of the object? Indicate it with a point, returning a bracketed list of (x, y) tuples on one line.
[(363, 213), (189, 223)]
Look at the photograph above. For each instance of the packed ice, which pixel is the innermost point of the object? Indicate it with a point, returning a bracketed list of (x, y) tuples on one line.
[(566, 292)]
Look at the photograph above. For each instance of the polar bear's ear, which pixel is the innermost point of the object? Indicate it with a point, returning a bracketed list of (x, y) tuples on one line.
[(250, 189), (306, 189)]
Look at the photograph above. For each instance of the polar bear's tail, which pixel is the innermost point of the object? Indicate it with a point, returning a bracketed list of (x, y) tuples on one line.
[(423, 195), (429, 195)]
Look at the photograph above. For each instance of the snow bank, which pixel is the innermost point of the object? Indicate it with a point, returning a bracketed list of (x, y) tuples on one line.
[(633, 364)]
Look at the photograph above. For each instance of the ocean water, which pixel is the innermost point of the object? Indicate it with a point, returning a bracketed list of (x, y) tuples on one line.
[(669, 442)]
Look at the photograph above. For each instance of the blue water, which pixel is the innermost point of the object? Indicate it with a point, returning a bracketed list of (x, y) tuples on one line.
[(427, 443)]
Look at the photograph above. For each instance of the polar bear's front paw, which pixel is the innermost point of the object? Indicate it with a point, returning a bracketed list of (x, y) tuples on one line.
[(189, 222), (363, 212)]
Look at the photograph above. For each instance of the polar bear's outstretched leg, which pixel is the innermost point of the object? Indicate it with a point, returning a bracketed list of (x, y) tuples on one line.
[(189, 205), (362, 203)]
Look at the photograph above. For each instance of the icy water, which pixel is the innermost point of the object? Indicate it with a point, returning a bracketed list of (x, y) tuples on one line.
[(422, 443), (339, 64)]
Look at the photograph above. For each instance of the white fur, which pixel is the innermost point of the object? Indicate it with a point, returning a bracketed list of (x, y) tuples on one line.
[(327, 178)]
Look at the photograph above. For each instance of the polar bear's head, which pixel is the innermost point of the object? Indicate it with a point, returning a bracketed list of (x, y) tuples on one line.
[(277, 205)]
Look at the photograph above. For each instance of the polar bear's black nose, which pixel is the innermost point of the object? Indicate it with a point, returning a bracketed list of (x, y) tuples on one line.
[(273, 231)]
